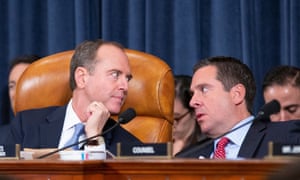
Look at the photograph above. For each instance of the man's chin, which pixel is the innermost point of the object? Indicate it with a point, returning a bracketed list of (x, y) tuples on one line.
[(114, 107), (114, 110)]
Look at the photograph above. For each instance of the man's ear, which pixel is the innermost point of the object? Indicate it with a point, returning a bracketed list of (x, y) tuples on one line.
[(238, 93), (80, 76)]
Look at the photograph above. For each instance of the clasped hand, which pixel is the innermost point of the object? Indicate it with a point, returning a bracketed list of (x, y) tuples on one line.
[(98, 114)]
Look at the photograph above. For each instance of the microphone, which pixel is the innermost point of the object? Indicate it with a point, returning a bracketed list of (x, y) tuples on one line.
[(269, 108), (124, 118), (265, 111)]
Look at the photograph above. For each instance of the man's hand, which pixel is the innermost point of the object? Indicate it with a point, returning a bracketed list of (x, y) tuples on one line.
[(98, 114)]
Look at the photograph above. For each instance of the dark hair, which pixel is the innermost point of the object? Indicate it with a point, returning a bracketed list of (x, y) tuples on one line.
[(28, 59), (230, 72), (182, 89), (282, 75), (84, 56)]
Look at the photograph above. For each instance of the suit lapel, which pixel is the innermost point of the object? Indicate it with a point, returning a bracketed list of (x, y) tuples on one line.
[(201, 149), (206, 151), (253, 139), (50, 131)]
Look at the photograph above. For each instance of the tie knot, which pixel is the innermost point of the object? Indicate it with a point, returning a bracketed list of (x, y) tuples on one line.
[(223, 142), (78, 129)]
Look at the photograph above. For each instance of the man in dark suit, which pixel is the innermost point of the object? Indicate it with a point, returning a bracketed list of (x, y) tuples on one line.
[(223, 91), (99, 77)]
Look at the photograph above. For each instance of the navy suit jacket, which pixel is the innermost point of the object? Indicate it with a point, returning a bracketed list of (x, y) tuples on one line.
[(255, 144), (42, 128)]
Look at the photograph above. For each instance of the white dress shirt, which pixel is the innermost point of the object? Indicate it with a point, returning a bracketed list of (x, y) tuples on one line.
[(70, 120), (236, 139)]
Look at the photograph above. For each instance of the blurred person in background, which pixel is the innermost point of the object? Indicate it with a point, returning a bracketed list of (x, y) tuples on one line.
[(283, 84), (17, 67), (185, 129)]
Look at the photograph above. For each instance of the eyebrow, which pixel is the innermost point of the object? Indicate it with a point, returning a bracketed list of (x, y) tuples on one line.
[(202, 85)]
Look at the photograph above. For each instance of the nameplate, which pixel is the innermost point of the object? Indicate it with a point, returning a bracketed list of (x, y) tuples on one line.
[(281, 149), (9, 151), (152, 150)]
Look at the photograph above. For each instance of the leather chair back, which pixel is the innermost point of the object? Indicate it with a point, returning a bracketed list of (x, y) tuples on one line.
[(151, 91)]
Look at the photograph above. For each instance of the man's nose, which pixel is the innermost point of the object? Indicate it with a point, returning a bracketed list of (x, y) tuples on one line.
[(196, 101), (124, 84), (284, 116), (281, 116)]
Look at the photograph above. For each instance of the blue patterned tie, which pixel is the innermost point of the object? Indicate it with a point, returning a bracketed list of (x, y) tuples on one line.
[(79, 130)]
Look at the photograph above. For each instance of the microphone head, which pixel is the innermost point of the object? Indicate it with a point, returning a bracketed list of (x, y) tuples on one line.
[(126, 116), (269, 108)]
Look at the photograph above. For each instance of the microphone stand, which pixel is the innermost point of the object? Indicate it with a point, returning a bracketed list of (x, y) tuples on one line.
[(79, 142)]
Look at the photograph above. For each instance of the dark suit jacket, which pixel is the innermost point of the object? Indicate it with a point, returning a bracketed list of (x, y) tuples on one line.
[(41, 128), (255, 144)]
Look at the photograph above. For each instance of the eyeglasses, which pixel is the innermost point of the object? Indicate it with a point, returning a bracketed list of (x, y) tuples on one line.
[(181, 116)]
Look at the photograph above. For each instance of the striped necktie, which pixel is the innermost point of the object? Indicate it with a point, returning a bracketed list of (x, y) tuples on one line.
[(220, 149)]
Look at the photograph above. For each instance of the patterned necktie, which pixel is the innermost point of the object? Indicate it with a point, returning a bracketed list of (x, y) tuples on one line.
[(79, 130), (220, 150)]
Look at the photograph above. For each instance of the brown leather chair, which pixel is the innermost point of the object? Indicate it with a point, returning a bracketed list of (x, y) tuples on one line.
[(151, 91)]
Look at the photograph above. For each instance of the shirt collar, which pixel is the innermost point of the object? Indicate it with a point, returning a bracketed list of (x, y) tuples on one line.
[(238, 135), (71, 117)]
